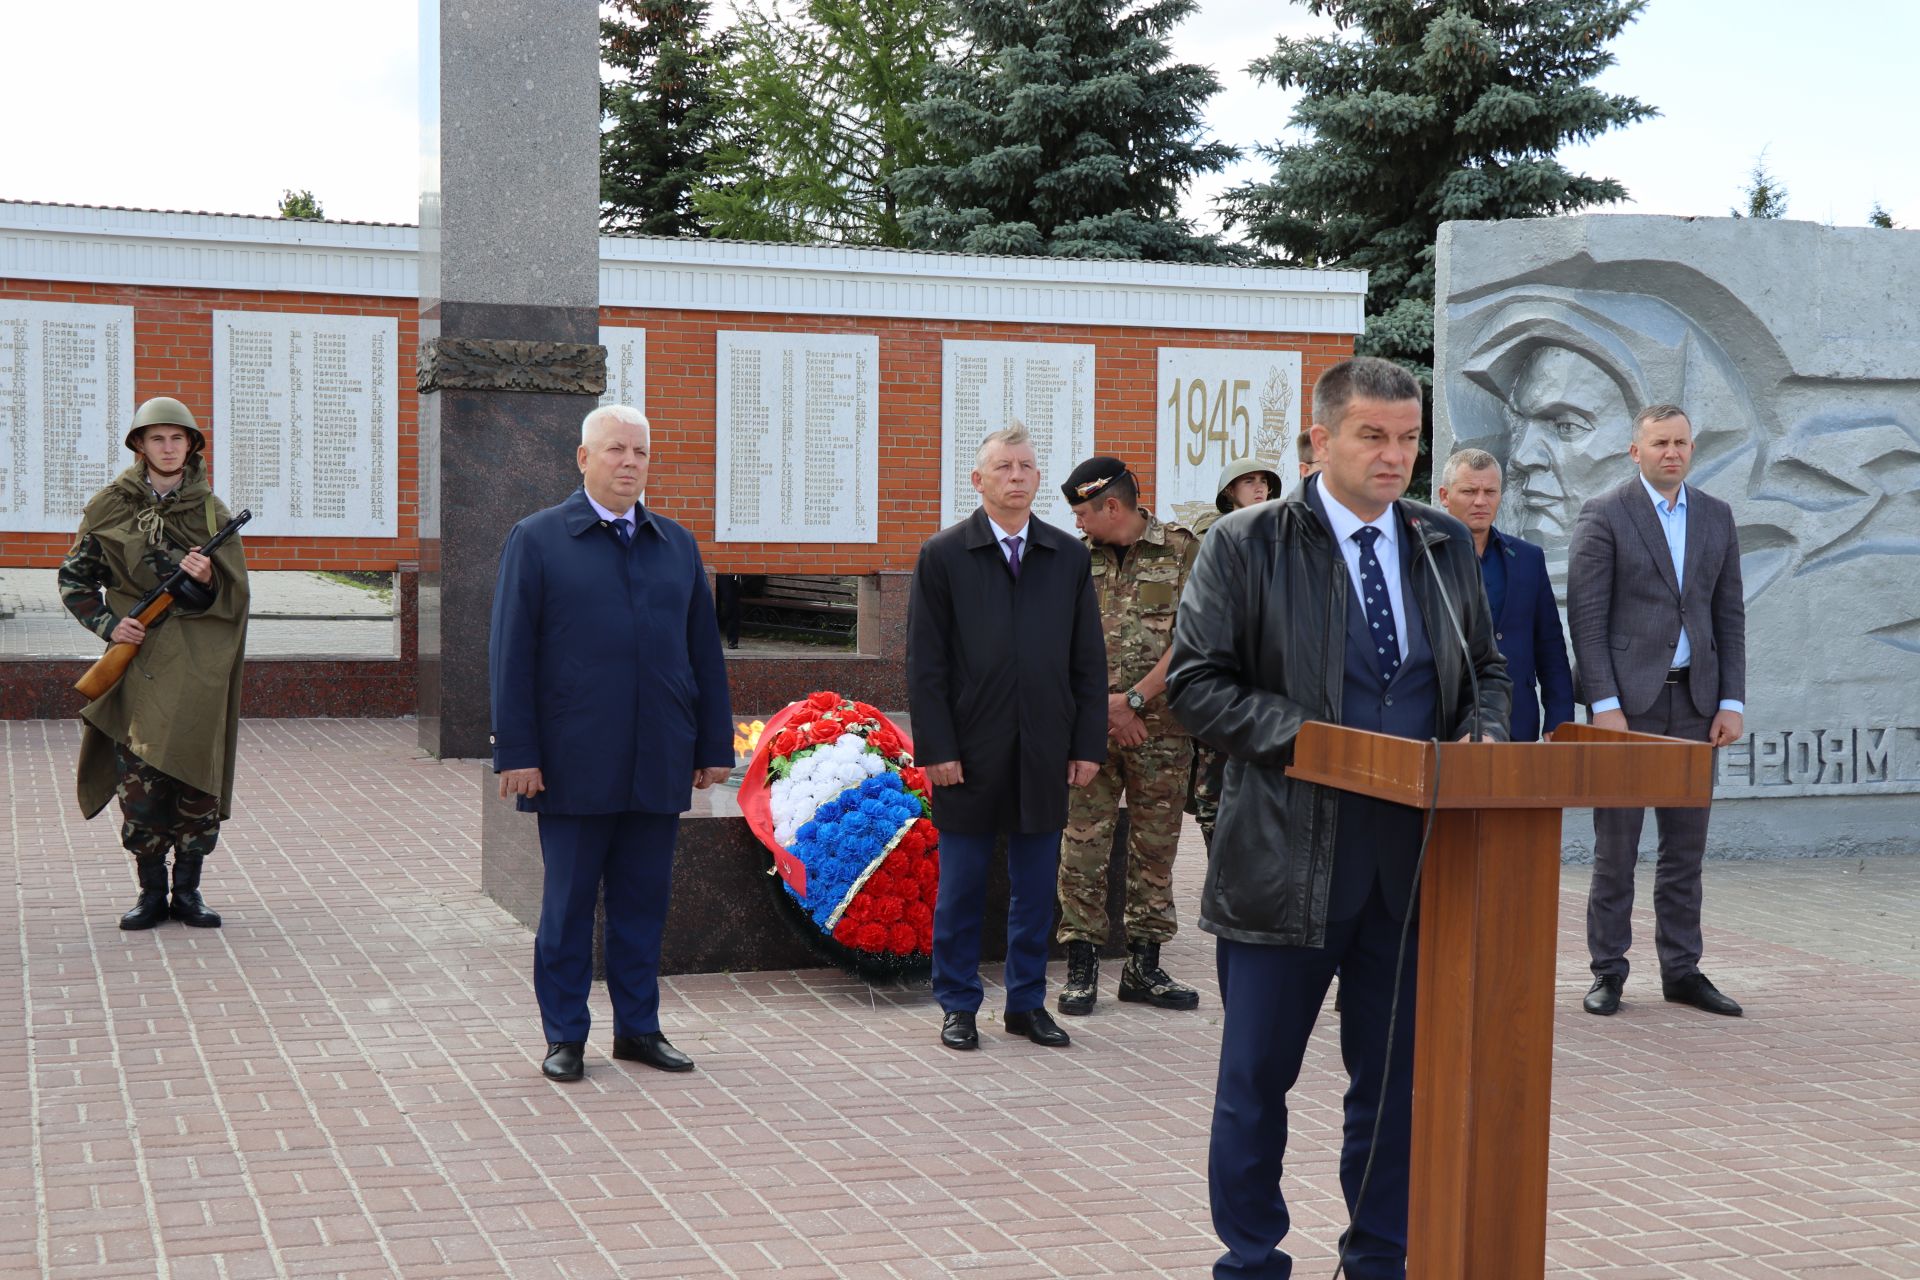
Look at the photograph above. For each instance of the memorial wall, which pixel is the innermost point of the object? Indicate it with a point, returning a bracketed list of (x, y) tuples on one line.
[(815, 409)]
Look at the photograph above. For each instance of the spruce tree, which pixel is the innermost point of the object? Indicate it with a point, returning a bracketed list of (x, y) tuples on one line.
[(660, 118), (1064, 128), (825, 91), (1881, 218), (1416, 113), (1766, 198)]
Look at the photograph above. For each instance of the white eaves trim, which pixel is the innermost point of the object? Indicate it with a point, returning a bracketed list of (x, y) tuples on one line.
[(227, 251)]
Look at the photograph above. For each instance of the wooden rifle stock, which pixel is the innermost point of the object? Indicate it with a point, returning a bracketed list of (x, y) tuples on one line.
[(112, 666)]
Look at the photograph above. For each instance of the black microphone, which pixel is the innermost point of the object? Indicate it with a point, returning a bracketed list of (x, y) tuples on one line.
[(1453, 617)]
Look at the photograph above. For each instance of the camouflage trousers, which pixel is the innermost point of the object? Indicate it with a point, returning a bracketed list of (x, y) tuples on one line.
[(1203, 794), (158, 812), (1153, 777)]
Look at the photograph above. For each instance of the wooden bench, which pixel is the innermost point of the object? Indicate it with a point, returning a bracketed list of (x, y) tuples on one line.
[(794, 604)]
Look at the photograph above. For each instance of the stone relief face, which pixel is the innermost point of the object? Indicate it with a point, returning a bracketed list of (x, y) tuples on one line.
[(1569, 428)]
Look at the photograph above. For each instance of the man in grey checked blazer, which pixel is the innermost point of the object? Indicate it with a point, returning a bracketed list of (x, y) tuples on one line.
[(1659, 630)]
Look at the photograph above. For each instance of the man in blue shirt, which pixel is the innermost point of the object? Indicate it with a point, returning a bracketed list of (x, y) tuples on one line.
[(1526, 619), (1659, 622), (609, 707)]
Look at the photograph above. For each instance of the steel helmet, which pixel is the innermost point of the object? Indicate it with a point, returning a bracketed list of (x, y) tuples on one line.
[(166, 411), (1240, 469)]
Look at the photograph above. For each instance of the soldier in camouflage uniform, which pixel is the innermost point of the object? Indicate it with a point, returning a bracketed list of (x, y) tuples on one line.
[(1243, 482), (1139, 566), (162, 739)]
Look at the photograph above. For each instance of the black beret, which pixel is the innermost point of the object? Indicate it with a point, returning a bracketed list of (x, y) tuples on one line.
[(1091, 478)]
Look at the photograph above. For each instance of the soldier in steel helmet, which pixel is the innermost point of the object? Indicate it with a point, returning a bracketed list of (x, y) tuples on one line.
[(1139, 565), (162, 739), (1243, 482)]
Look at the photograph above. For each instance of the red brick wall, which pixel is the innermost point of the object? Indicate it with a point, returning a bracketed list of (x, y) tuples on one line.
[(173, 356), (173, 343)]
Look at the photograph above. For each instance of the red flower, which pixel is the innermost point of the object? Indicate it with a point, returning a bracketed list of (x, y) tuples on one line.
[(870, 937), (888, 910), (919, 915), (845, 934), (824, 731), (882, 885), (914, 778), (866, 711), (901, 939), (926, 941), (860, 910), (786, 742), (823, 700)]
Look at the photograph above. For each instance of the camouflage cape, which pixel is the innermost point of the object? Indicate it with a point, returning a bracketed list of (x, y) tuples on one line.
[(178, 708)]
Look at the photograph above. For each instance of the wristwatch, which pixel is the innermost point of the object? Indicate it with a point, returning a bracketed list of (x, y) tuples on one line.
[(1134, 700)]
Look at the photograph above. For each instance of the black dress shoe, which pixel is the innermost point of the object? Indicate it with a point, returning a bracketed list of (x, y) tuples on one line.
[(1694, 989), (564, 1060), (958, 1031), (1603, 997), (652, 1049), (1038, 1026)]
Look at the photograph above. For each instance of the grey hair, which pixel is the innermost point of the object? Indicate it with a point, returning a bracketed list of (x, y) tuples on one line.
[(1467, 460), (1367, 376), (1657, 413), (619, 413), (1014, 436)]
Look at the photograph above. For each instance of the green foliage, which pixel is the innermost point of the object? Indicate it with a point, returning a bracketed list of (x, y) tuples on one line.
[(1881, 218), (824, 92), (301, 206), (1766, 198), (660, 118), (1416, 113), (1065, 129)]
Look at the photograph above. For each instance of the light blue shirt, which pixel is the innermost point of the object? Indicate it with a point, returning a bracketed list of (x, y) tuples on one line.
[(1673, 523), (1386, 549), (613, 517)]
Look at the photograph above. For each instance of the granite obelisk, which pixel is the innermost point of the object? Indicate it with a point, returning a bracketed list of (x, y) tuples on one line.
[(509, 312)]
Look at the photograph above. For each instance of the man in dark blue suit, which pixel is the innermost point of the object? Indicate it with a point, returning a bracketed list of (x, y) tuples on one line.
[(1337, 604), (609, 706), (1526, 620)]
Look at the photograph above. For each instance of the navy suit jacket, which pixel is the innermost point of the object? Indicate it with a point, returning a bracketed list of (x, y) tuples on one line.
[(1528, 633), (605, 663)]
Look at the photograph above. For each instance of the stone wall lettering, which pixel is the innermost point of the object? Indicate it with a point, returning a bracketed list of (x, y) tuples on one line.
[(308, 422), (66, 401)]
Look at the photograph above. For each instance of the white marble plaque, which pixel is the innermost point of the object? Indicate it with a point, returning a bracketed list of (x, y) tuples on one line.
[(796, 437), (1216, 405), (309, 420), (986, 386), (626, 367), (66, 401)]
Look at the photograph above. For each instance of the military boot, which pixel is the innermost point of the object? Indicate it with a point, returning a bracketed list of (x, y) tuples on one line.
[(187, 906), (1083, 979), (152, 907), (1143, 980)]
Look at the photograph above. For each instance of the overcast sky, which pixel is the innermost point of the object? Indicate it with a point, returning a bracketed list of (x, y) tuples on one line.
[(222, 104)]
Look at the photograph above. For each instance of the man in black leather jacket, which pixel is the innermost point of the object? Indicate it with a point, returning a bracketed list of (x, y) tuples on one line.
[(1324, 607)]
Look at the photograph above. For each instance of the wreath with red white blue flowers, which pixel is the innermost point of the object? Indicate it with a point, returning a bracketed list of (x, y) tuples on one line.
[(833, 793)]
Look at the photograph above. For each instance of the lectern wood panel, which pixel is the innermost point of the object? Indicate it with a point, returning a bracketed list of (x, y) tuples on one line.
[(1586, 768)]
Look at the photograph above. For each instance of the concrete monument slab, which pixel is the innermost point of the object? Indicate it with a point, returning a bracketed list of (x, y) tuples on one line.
[(1795, 349)]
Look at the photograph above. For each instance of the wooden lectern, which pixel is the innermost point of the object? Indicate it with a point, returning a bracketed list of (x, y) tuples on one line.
[(1489, 911)]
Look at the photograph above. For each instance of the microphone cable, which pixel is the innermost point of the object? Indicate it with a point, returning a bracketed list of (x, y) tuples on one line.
[(1413, 901), (1393, 1014)]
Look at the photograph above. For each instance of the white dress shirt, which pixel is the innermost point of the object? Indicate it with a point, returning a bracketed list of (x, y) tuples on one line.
[(1006, 552), (1386, 549), (611, 517)]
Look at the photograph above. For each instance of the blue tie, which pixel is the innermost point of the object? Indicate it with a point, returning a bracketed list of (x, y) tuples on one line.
[(1376, 607), (623, 531)]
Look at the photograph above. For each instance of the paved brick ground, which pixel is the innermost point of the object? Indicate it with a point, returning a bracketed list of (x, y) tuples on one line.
[(343, 1080)]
